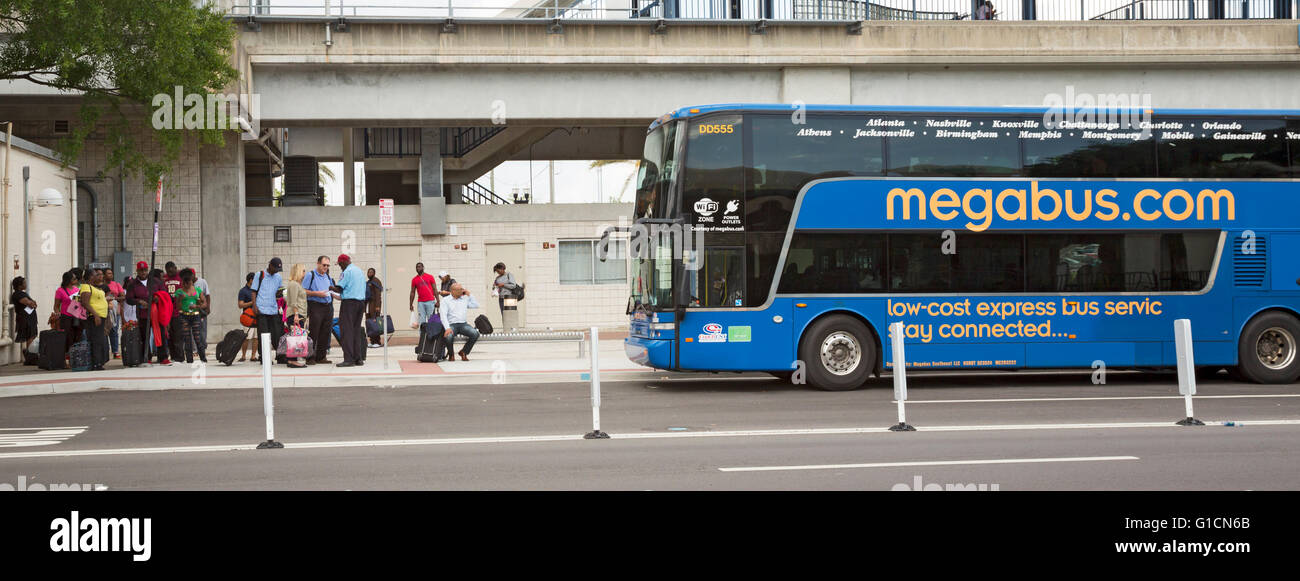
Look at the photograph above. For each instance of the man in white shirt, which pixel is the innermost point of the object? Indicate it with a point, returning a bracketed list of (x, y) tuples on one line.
[(455, 316)]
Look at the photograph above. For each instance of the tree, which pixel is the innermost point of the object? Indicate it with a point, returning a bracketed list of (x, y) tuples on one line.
[(622, 192), (119, 54)]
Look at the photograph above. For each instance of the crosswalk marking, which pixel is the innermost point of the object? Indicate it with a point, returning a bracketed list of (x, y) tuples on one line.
[(28, 437)]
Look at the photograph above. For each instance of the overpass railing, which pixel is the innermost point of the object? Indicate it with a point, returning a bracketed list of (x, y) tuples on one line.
[(786, 10)]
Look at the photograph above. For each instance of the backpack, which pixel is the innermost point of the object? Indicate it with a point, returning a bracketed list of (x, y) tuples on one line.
[(483, 325)]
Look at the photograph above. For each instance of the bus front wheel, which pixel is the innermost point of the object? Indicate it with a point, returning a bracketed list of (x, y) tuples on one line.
[(838, 352), (1266, 352)]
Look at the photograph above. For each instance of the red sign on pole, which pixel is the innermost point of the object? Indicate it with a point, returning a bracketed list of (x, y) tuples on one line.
[(385, 213)]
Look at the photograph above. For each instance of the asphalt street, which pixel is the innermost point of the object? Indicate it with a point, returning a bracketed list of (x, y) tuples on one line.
[(1004, 431)]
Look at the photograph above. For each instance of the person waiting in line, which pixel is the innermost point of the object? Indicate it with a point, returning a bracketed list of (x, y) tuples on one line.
[(25, 326), (202, 284), (96, 329), (116, 294), (265, 287), (352, 288), (68, 293), (295, 301), (455, 316), (161, 313), (138, 298), (320, 310), (505, 286), (423, 287), (172, 279), (188, 301), (445, 282), (245, 301), (374, 307)]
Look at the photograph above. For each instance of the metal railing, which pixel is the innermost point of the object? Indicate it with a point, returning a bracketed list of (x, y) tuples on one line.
[(475, 193), (790, 10)]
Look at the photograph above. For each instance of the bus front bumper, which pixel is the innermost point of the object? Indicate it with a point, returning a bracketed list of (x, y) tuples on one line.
[(656, 353)]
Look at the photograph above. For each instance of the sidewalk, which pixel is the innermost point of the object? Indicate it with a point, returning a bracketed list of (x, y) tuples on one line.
[(506, 362)]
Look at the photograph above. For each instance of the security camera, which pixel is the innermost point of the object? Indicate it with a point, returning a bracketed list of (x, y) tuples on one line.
[(48, 197)]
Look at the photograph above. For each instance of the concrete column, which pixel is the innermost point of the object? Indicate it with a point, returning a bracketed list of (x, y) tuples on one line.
[(221, 202), (349, 187), (820, 85), (433, 206)]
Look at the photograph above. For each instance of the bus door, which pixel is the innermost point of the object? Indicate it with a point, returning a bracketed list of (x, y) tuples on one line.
[(717, 330)]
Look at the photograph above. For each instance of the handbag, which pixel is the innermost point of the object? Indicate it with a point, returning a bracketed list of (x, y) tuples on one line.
[(248, 318), (75, 308)]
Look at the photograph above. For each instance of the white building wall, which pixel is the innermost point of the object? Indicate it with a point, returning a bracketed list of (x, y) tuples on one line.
[(50, 236), (317, 231)]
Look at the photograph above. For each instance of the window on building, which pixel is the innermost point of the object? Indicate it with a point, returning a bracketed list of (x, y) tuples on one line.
[(580, 262), (283, 234)]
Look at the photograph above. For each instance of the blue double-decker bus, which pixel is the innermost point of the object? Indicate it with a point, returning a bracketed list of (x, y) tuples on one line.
[(785, 240)]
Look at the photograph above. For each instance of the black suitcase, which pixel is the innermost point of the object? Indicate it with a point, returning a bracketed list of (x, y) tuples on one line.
[(53, 350), (230, 345), (431, 348), (132, 347)]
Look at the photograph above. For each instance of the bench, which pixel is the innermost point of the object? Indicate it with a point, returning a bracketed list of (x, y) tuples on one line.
[(538, 337)]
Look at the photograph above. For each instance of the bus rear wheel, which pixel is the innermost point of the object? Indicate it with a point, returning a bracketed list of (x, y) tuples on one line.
[(838, 352), (1266, 352)]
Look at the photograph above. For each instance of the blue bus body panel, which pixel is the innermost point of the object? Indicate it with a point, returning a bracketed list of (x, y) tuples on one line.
[(1059, 329)]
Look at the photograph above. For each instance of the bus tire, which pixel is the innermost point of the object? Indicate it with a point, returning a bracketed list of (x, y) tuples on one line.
[(838, 352), (1266, 352)]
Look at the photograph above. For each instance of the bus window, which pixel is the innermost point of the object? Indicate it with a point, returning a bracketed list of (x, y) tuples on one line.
[(917, 263), (955, 146), (1222, 148), (1132, 262), (787, 155), (1072, 156), (834, 263), (1293, 144), (987, 263), (720, 280), (713, 193), (764, 251)]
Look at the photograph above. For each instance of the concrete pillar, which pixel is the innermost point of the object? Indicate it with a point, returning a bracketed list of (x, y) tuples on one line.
[(433, 205), (349, 188), (820, 85), (223, 253)]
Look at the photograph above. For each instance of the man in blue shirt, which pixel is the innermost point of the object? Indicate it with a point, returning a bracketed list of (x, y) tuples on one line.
[(455, 316), (352, 287), (320, 309), (265, 286)]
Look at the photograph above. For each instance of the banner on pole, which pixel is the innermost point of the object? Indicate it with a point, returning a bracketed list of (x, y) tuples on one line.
[(385, 213)]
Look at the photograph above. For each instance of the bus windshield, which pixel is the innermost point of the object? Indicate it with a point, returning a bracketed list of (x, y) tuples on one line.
[(651, 281)]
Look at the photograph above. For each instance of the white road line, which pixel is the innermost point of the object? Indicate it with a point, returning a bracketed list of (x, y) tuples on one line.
[(16, 438), (934, 463), (49, 428), (616, 436), (1099, 398)]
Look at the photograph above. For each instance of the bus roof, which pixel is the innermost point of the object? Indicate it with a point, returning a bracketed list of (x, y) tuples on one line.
[(687, 112)]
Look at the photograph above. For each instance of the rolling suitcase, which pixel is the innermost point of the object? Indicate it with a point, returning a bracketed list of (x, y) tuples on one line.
[(431, 347), (132, 347), (79, 358), (54, 346), (229, 346)]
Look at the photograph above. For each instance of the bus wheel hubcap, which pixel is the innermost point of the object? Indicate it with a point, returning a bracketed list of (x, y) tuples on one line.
[(1275, 348), (840, 353)]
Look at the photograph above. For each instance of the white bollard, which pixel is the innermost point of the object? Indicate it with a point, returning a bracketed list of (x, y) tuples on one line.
[(595, 434), (268, 407), (1186, 369), (900, 377)]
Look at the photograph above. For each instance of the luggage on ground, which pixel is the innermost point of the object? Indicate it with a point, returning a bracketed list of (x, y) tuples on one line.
[(431, 347), (483, 325), (132, 347), (230, 345), (54, 346), (79, 357), (32, 355)]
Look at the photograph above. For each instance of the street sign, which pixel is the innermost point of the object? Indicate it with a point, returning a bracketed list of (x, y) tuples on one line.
[(385, 213)]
